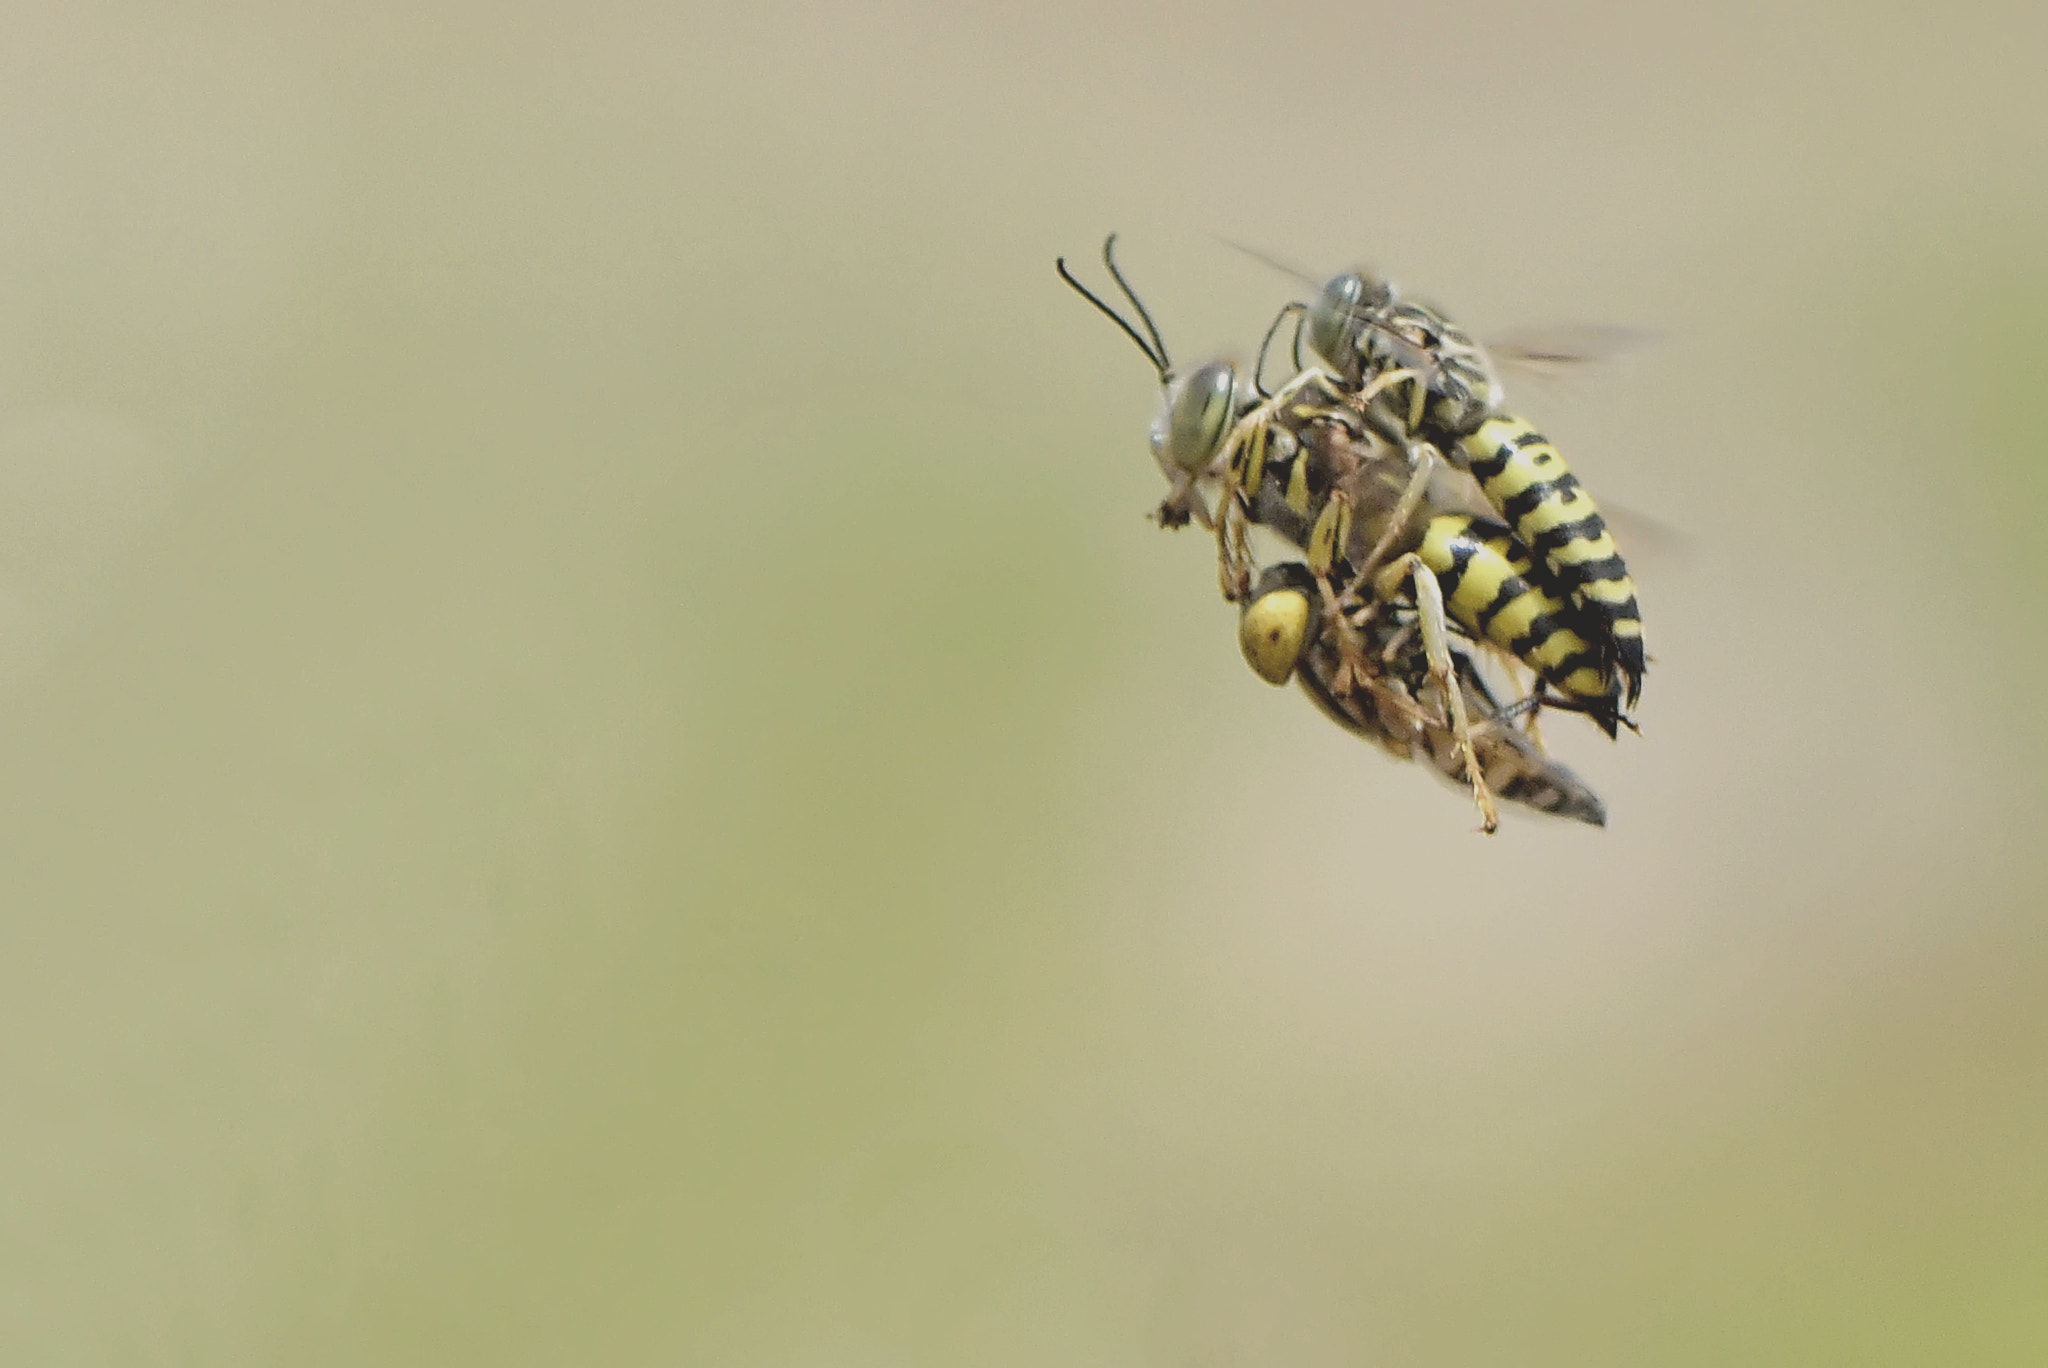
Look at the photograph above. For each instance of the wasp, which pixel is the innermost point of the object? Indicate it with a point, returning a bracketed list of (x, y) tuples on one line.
[(1396, 583), (1427, 700), (1306, 462), (1417, 377), (1376, 518)]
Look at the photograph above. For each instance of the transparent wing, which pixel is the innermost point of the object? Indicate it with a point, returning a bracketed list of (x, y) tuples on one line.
[(1645, 540), (1568, 348)]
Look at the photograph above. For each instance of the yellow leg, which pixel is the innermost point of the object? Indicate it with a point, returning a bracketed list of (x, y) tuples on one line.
[(1391, 426), (1233, 550), (1436, 648), (1405, 509), (1326, 542), (1233, 547), (1260, 416), (1369, 678), (1263, 413), (1381, 383)]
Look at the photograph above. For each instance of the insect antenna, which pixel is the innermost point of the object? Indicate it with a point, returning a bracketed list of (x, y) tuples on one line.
[(1109, 260), (1156, 354), (1300, 312)]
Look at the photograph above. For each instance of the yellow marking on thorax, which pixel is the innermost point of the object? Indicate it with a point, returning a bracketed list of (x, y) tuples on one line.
[(1331, 534), (1251, 462), (1297, 484)]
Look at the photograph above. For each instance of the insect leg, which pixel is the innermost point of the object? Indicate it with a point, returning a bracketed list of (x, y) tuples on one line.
[(1242, 459), (1405, 509), (1390, 427), (1233, 547), (1260, 415), (1326, 542), (1183, 504), (1436, 632)]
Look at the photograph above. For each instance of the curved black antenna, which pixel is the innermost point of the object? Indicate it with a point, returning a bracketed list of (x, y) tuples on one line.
[(1109, 260), (1299, 310), (1158, 361)]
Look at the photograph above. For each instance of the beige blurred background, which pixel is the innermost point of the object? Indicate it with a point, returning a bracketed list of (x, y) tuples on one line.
[(598, 764)]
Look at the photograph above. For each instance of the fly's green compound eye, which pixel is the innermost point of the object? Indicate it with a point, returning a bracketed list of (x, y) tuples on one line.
[(1197, 417), (1338, 316), (1275, 626)]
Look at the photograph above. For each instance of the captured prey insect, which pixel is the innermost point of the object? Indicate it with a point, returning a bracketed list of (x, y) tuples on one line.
[(1427, 701), (1374, 516), (1436, 385)]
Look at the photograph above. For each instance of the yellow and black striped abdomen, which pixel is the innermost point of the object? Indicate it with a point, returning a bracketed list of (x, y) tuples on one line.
[(1524, 477), (1491, 598)]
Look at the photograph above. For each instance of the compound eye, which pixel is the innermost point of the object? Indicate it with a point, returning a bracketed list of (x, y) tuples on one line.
[(1335, 318), (1276, 623), (1342, 312), (1198, 415)]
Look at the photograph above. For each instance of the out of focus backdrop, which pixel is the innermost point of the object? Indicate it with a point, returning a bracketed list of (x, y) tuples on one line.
[(599, 765)]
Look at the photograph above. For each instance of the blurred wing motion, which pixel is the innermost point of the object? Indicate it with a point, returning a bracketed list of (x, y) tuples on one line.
[(1558, 348), (1649, 540)]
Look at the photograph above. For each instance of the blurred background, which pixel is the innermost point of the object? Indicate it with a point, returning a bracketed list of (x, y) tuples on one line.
[(598, 763)]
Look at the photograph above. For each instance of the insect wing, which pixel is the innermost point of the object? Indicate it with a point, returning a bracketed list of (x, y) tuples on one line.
[(1566, 349)]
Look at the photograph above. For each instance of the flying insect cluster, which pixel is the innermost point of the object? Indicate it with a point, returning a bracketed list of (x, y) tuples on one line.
[(1454, 578)]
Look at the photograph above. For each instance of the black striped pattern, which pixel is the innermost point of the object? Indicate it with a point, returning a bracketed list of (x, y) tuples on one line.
[(1460, 387), (1492, 598), (1524, 477)]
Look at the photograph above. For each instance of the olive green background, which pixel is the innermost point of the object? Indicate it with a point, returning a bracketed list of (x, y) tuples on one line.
[(598, 765)]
